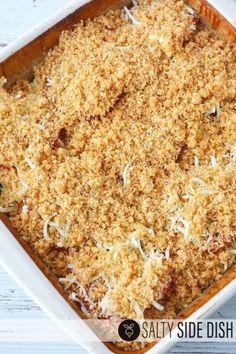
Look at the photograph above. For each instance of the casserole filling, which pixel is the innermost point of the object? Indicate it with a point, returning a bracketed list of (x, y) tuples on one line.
[(118, 161)]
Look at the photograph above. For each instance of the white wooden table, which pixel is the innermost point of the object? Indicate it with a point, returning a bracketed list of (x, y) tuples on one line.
[(17, 16)]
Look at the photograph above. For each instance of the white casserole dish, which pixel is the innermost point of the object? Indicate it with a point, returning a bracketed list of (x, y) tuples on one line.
[(22, 266)]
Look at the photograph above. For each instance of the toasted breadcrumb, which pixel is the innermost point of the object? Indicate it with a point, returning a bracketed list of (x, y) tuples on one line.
[(117, 163)]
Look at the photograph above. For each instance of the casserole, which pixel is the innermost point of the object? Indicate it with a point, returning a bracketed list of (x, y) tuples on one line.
[(9, 64)]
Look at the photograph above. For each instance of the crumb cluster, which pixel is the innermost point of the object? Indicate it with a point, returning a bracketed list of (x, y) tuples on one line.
[(118, 162)]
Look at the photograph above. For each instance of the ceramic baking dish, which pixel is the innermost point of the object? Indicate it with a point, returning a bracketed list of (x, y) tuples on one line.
[(16, 60)]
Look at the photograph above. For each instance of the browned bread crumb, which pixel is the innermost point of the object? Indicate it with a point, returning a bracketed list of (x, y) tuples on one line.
[(118, 162)]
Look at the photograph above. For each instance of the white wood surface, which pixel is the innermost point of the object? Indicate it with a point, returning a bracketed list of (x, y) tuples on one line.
[(16, 17)]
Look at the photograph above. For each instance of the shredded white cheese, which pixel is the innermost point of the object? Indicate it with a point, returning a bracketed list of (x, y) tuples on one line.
[(18, 95), (193, 27), (167, 253), (180, 224), (190, 10), (45, 226), (73, 296), (30, 163), (25, 209), (150, 230), (197, 181), (100, 275), (172, 203), (103, 304), (70, 266), (67, 228), (136, 243), (56, 226), (154, 258), (125, 173), (214, 111), (62, 231), (191, 191), (186, 196), (174, 207), (115, 255), (225, 265), (3, 81), (24, 185), (213, 161), (207, 234), (207, 191), (83, 293), (49, 82), (130, 16), (196, 161), (157, 305), (6, 210), (41, 126), (135, 305), (104, 247), (67, 280), (161, 39)]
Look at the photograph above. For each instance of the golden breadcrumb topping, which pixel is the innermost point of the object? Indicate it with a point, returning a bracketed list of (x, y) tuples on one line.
[(118, 162)]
